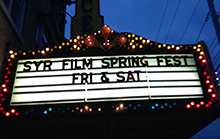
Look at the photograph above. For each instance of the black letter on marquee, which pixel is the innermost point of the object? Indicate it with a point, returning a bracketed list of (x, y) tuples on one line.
[(167, 61), (87, 64), (158, 60), (143, 61), (47, 66), (184, 57), (177, 61), (26, 65), (104, 78), (37, 64), (105, 61), (74, 78), (64, 63), (138, 75), (120, 76), (122, 60)]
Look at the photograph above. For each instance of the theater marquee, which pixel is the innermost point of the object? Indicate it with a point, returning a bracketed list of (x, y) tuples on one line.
[(107, 72)]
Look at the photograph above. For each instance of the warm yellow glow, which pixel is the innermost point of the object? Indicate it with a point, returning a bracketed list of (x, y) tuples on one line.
[(172, 46), (90, 109), (63, 43), (81, 37), (130, 43), (194, 47), (133, 35), (9, 60), (24, 53), (164, 45), (71, 48), (47, 49), (136, 44), (140, 46), (168, 47), (67, 43), (217, 79), (85, 35), (117, 108), (13, 111), (201, 53), (151, 44), (60, 47), (77, 108), (216, 72), (129, 35), (42, 52), (82, 42), (78, 48), (78, 42), (70, 40), (81, 110), (198, 49), (128, 48), (159, 46), (140, 38), (177, 48), (78, 37), (121, 105), (143, 41), (38, 51), (86, 107), (148, 41), (132, 40), (99, 109), (55, 47), (181, 46), (199, 45), (75, 40), (11, 52), (12, 56), (133, 46), (15, 53), (136, 38)]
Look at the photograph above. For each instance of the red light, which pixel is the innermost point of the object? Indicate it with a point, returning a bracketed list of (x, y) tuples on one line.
[(213, 95), (1, 95), (10, 64), (3, 85), (211, 86), (7, 81), (205, 73), (8, 72), (207, 81), (203, 61), (192, 103), (0, 104), (7, 114), (207, 77), (206, 105), (3, 99), (16, 113), (13, 111), (202, 103), (210, 103), (188, 106), (5, 76), (209, 90), (1, 108), (7, 68), (197, 105)]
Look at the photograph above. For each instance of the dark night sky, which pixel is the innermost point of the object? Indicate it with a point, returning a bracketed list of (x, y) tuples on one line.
[(163, 21)]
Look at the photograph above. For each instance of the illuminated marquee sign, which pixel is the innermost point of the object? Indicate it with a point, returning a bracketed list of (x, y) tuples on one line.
[(106, 72), (109, 78)]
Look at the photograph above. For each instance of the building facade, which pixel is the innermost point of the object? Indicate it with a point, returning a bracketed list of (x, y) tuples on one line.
[(30, 25)]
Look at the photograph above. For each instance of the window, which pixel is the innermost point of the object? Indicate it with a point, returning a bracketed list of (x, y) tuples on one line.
[(16, 9)]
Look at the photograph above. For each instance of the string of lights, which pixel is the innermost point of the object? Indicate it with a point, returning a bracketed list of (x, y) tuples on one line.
[(189, 21), (172, 21)]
